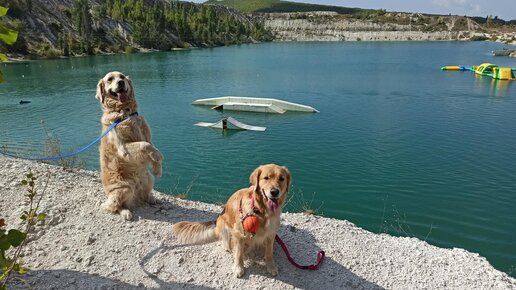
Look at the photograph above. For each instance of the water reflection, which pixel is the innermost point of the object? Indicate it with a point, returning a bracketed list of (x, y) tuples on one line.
[(500, 88)]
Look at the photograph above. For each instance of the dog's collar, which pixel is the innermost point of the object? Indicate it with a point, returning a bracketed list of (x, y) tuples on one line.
[(254, 209), (133, 114)]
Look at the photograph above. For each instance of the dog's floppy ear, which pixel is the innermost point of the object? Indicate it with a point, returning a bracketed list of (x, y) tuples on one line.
[(254, 178), (100, 91), (288, 177)]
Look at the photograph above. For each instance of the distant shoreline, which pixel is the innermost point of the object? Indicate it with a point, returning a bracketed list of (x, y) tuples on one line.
[(327, 26), (355, 37)]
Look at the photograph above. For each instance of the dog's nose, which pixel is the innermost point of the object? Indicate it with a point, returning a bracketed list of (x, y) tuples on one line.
[(275, 192), (121, 84)]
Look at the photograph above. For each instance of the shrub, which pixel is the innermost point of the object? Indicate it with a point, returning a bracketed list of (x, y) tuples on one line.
[(130, 49), (53, 148), (52, 53), (298, 202), (12, 241), (478, 38)]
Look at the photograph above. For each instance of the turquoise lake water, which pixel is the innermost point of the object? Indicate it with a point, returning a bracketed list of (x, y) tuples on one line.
[(398, 146)]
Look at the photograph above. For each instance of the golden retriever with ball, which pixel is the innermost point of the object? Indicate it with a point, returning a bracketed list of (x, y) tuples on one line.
[(261, 204), (126, 152)]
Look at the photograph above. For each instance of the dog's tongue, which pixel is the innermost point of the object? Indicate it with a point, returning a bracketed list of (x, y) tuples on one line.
[(122, 96), (272, 204)]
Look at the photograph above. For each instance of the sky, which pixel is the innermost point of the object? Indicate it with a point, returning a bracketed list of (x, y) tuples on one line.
[(504, 9)]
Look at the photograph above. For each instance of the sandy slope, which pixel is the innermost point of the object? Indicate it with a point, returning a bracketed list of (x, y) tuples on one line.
[(81, 247)]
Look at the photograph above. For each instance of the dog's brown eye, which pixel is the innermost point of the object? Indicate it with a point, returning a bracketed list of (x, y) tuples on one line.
[(266, 178), (281, 178), (110, 79), (122, 77)]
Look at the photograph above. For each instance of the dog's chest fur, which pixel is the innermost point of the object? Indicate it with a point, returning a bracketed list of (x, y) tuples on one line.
[(130, 130), (272, 222)]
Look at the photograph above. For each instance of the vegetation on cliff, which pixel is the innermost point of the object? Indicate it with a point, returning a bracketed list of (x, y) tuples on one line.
[(201, 25), (77, 27), (7, 36), (277, 6), (280, 6), (344, 20), (421, 21)]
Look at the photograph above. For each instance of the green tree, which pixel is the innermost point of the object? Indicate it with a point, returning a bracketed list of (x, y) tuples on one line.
[(82, 21), (6, 35), (196, 24)]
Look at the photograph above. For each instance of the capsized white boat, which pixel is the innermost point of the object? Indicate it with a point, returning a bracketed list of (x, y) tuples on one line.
[(230, 123), (265, 105)]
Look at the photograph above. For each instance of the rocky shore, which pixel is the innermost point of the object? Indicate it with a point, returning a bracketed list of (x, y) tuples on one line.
[(330, 26), (81, 247)]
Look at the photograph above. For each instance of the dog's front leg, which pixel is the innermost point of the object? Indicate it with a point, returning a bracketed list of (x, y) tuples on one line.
[(238, 255), (142, 150), (269, 261), (108, 119), (120, 146)]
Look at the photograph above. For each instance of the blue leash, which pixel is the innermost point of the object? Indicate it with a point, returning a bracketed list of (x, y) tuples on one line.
[(78, 151)]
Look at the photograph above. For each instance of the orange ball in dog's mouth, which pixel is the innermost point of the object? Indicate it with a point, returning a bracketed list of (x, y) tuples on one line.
[(251, 224)]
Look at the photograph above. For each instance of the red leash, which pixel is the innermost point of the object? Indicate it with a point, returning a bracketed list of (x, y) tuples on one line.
[(320, 257)]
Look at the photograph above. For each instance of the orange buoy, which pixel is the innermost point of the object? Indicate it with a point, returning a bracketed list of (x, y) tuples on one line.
[(251, 224)]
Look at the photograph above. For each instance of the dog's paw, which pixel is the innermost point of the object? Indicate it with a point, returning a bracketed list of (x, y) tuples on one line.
[(122, 152), (272, 269), (156, 156), (227, 247), (108, 206), (157, 159), (238, 271), (157, 169), (126, 214)]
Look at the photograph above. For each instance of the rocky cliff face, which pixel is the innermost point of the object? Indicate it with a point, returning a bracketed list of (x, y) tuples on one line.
[(50, 28), (45, 22), (330, 26)]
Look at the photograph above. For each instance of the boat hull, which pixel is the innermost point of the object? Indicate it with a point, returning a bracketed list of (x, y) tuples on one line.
[(264, 105), (503, 52)]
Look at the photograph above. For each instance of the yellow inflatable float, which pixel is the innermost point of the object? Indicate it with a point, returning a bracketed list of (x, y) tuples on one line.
[(486, 69), (503, 73)]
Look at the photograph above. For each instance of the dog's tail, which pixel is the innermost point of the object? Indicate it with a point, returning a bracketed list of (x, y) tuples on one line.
[(195, 232)]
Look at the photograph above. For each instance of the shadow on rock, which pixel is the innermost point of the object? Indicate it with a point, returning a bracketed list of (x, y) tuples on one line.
[(67, 279), (303, 249), (156, 267), (167, 211), (176, 262)]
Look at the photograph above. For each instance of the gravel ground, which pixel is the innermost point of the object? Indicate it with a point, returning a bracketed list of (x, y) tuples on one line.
[(81, 247)]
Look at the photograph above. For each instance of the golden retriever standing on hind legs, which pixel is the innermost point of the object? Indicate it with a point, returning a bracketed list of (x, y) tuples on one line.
[(126, 152), (261, 204)]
